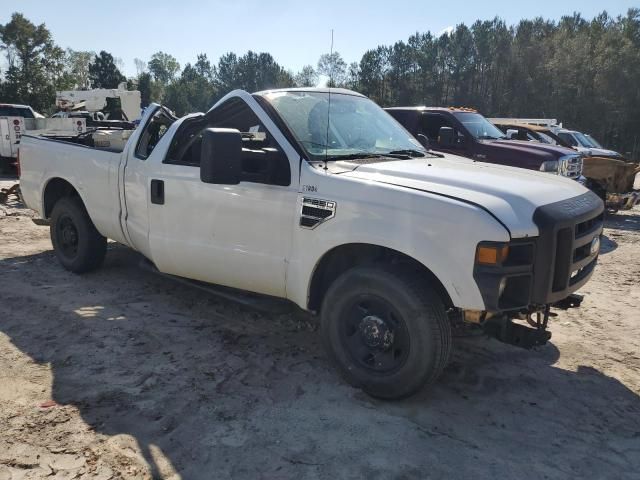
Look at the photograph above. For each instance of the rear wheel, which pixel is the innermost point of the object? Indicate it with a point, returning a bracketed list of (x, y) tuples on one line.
[(78, 245), (386, 330)]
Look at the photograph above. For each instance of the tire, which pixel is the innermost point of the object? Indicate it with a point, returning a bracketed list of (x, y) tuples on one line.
[(78, 245), (386, 330)]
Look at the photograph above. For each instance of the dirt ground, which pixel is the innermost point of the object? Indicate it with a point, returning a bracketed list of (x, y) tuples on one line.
[(125, 374)]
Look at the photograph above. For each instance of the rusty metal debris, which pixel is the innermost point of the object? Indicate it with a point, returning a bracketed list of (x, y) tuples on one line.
[(5, 193), (617, 177)]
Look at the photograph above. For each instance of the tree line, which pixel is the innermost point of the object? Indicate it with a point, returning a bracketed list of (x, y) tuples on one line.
[(585, 73)]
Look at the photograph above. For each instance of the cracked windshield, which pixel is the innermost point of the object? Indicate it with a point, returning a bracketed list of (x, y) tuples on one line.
[(340, 126)]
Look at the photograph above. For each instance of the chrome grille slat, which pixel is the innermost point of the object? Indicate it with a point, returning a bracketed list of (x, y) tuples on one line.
[(570, 166)]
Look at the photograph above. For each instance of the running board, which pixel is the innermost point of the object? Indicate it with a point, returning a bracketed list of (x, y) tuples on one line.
[(263, 303)]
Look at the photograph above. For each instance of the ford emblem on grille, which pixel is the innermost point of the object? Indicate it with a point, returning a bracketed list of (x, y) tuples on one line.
[(595, 245)]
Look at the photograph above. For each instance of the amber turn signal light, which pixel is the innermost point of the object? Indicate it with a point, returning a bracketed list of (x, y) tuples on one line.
[(491, 254)]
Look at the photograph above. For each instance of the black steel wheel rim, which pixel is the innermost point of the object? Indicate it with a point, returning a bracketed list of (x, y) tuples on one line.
[(67, 236), (375, 334)]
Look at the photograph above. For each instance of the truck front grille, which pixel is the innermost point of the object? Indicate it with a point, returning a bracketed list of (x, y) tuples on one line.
[(570, 166), (567, 249)]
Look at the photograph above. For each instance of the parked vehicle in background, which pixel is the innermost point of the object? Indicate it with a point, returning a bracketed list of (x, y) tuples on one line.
[(548, 130), (11, 129), (609, 175), (320, 197), (516, 129), (15, 110), (467, 133), (16, 120), (114, 103), (96, 120), (586, 144)]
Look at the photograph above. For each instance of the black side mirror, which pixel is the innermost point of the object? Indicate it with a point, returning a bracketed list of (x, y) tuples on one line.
[(446, 137), (424, 141), (220, 156)]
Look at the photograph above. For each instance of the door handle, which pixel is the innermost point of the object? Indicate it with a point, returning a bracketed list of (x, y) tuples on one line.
[(157, 192)]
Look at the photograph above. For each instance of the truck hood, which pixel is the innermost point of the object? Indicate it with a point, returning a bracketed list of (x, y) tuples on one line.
[(510, 194), (551, 152), (600, 152)]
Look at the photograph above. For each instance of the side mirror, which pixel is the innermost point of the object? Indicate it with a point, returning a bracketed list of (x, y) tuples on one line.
[(220, 156), (446, 137), (511, 133), (424, 141)]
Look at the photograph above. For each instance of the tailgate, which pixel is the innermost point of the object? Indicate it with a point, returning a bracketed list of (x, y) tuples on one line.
[(5, 139), (16, 129), (11, 129)]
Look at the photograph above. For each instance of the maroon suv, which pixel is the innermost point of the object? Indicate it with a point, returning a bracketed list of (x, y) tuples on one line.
[(464, 132)]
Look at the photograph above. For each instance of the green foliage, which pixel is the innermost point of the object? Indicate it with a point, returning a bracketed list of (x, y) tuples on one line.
[(104, 73), (78, 67), (163, 67), (194, 91), (307, 77), (334, 67), (251, 72), (144, 85), (584, 73), (34, 63)]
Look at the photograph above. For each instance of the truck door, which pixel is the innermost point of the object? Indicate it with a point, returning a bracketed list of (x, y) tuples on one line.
[(233, 235), (142, 155)]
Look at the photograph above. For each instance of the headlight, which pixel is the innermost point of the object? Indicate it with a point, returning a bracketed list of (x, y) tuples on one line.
[(491, 254), (504, 273), (549, 166)]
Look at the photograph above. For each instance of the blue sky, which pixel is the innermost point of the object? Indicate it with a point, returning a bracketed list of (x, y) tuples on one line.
[(294, 33)]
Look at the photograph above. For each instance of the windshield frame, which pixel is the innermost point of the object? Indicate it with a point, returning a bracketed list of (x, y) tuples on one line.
[(594, 143), (546, 138), (410, 146), (460, 117), (582, 140)]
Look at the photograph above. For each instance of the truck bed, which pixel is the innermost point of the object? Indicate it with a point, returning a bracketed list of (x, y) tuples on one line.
[(93, 170)]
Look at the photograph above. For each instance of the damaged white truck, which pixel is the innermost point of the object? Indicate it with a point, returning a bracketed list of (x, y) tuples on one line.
[(320, 197)]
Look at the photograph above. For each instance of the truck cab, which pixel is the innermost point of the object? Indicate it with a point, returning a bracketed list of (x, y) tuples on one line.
[(465, 132)]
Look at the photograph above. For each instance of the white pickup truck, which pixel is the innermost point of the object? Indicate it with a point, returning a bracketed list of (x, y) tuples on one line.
[(320, 197)]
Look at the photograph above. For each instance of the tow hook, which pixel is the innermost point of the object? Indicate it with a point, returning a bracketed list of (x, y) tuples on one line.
[(506, 330)]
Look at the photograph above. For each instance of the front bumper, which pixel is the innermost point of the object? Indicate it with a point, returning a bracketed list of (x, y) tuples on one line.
[(550, 267)]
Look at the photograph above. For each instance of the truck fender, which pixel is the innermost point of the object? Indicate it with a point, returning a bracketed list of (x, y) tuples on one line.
[(53, 190), (343, 257)]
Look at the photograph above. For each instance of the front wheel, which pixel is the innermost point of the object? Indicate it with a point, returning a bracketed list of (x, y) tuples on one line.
[(78, 245), (387, 331)]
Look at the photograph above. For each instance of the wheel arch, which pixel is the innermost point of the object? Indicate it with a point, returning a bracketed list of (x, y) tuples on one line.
[(343, 257), (55, 189)]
